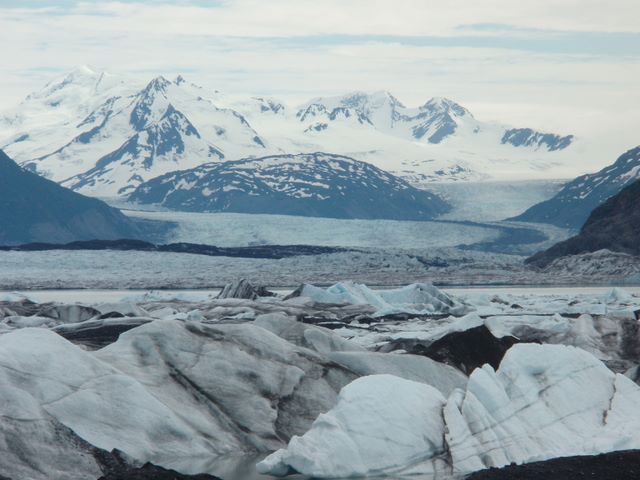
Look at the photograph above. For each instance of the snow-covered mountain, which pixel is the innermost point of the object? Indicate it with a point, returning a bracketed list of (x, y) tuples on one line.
[(103, 134), (577, 199), (318, 184), (121, 137), (433, 122)]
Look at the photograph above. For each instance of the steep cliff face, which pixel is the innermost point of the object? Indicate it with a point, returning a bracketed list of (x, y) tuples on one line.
[(34, 209)]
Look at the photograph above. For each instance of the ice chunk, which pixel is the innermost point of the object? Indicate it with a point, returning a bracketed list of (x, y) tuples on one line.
[(620, 296), (380, 424), (416, 299), (544, 401)]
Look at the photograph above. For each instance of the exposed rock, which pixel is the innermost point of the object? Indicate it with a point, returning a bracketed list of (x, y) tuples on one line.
[(527, 137), (152, 472), (101, 332), (615, 465), (259, 251), (465, 350)]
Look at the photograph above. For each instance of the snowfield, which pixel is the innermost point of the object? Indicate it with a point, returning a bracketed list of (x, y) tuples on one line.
[(323, 381)]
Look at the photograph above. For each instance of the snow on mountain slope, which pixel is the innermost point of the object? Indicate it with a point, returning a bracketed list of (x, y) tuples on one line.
[(318, 184), (48, 119), (103, 135)]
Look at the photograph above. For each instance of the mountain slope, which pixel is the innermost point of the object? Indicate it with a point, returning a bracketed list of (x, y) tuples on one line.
[(573, 204), (103, 135), (34, 209), (614, 225), (318, 185)]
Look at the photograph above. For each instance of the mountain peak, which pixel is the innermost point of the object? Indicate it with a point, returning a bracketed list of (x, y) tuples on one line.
[(158, 84), (82, 74), (382, 95), (84, 70), (445, 105)]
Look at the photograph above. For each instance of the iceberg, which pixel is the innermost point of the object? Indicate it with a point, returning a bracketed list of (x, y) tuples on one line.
[(414, 299), (544, 401), (380, 424)]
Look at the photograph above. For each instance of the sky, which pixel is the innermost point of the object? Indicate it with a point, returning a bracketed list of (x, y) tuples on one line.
[(569, 66)]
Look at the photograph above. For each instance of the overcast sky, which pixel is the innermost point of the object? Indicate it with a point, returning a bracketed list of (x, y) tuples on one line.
[(572, 66)]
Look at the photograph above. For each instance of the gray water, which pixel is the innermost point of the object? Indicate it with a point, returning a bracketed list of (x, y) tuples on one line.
[(242, 467)]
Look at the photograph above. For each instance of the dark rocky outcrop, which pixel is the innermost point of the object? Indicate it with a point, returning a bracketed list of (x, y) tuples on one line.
[(607, 466), (615, 226), (528, 137), (466, 350), (34, 209), (95, 334), (259, 251), (152, 472)]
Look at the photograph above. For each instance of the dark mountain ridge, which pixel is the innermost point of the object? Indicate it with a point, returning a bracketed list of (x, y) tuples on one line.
[(311, 185), (35, 209)]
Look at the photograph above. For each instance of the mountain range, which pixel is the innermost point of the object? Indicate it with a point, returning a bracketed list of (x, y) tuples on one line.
[(104, 135), (316, 185), (573, 204), (34, 209)]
